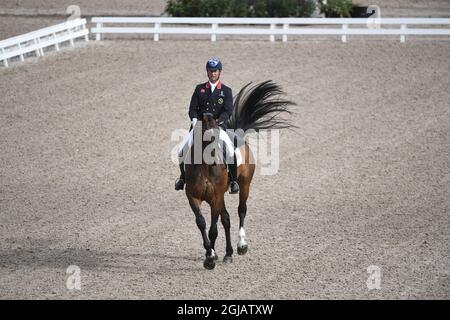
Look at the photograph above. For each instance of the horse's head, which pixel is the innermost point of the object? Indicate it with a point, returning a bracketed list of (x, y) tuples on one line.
[(209, 122), (211, 132)]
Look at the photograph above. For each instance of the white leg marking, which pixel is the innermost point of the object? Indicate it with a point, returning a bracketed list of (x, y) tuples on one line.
[(242, 241)]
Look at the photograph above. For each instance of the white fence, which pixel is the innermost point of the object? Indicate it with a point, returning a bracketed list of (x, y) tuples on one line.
[(37, 40), (272, 27)]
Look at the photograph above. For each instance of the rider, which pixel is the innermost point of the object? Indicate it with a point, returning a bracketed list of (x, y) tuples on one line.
[(216, 98)]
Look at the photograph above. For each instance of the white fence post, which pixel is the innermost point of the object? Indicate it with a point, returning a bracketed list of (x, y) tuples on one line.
[(37, 51), (98, 36), (215, 26), (21, 56), (344, 36), (86, 37), (285, 27), (5, 61), (41, 50), (71, 39), (403, 37), (56, 44), (156, 35), (272, 36)]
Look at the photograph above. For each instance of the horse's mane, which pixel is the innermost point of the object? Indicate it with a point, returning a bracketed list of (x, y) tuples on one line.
[(258, 107)]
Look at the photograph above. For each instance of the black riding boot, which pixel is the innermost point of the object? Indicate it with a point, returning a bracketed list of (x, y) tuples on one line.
[(179, 183), (232, 167)]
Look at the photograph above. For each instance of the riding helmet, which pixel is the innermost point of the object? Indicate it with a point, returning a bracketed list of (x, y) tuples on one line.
[(214, 64)]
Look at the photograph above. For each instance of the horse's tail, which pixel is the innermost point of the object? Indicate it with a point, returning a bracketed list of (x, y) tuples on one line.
[(258, 107)]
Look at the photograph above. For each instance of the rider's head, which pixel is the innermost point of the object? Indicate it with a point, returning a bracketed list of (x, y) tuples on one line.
[(214, 69)]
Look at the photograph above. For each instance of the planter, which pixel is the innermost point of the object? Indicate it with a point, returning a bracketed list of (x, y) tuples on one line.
[(361, 12)]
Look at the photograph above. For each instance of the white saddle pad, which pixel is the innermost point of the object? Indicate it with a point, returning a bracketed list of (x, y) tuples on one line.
[(223, 136)]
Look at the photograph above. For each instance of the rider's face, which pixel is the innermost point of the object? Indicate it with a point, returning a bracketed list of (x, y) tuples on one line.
[(213, 75)]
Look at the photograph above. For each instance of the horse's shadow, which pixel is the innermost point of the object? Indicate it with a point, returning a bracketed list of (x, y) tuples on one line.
[(39, 254)]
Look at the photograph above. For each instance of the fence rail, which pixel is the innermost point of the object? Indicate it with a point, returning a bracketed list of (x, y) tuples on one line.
[(274, 26), (37, 40)]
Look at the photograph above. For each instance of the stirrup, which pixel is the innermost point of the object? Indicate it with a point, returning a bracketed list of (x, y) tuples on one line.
[(179, 184), (234, 188)]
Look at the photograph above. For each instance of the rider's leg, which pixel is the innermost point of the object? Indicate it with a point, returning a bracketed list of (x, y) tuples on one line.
[(179, 183), (234, 186), (230, 159)]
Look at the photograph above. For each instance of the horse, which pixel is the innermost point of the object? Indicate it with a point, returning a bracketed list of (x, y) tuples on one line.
[(256, 107)]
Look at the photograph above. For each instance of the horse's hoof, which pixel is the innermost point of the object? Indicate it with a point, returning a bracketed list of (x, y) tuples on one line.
[(209, 263), (242, 249), (227, 259)]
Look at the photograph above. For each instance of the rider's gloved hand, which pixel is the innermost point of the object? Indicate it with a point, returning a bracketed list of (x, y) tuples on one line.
[(193, 122)]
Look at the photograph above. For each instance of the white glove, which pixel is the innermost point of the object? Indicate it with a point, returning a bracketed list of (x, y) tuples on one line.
[(194, 121)]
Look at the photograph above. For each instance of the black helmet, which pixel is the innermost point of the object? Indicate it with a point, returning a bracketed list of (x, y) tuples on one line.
[(213, 64)]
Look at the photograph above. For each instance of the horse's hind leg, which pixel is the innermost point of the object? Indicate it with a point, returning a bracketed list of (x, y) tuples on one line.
[(201, 224), (242, 246), (225, 217)]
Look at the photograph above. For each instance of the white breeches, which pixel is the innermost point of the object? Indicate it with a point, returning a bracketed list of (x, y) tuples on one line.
[(223, 137)]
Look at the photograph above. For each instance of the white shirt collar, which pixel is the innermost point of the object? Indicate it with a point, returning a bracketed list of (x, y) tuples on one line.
[(213, 85)]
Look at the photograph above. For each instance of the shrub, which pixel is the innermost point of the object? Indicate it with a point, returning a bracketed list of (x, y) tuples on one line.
[(305, 8), (185, 8), (275, 8), (337, 8), (235, 8), (284, 8), (207, 8), (240, 8)]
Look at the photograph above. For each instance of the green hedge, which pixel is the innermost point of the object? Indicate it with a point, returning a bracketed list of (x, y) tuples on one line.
[(240, 8), (284, 8), (337, 8)]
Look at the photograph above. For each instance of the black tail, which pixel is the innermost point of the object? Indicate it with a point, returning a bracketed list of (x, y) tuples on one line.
[(258, 107)]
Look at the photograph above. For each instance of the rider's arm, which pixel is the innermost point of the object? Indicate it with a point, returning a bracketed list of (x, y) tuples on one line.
[(193, 107), (227, 107)]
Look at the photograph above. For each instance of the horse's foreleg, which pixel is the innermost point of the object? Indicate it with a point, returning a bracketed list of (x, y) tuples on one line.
[(201, 224), (225, 218)]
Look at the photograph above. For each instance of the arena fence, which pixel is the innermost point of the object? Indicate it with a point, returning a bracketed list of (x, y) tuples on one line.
[(272, 27), (37, 40)]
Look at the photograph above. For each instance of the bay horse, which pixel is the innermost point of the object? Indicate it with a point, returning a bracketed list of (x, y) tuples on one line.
[(256, 108)]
